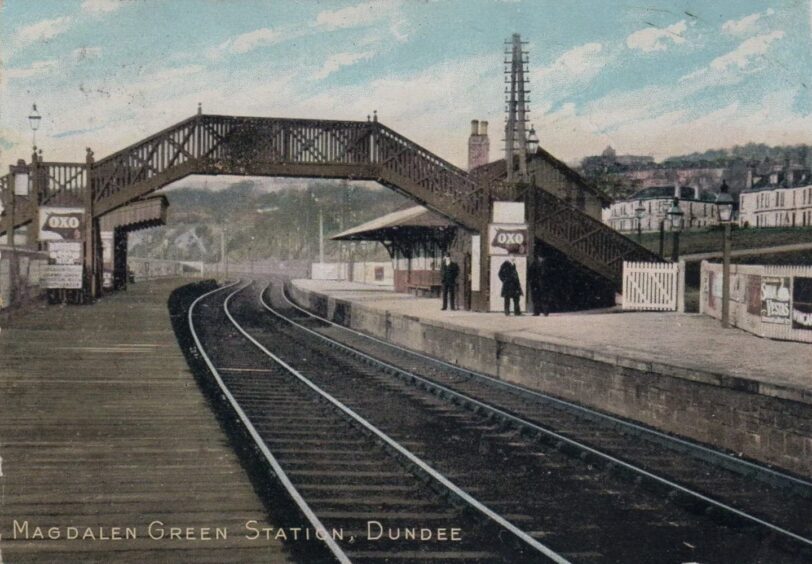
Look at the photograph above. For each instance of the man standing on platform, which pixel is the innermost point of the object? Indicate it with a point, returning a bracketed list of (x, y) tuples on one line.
[(511, 286), (535, 280), (448, 274)]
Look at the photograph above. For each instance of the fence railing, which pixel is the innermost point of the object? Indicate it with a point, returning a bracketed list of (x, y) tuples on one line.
[(653, 286)]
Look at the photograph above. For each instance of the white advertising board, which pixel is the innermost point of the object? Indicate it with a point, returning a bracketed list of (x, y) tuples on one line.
[(61, 224), (65, 252), (63, 276), (508, 212), (64, 270), (476, 263)]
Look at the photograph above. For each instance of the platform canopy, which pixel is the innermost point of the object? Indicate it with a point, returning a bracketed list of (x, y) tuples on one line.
[(140, 214), (410, 222)]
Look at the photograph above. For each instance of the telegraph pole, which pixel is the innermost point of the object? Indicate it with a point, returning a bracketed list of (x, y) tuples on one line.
[(516, 107)]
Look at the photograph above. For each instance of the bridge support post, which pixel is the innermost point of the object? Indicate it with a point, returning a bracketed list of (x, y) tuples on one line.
[(92, 236), (480, 301), (530, 203), (32, 236), (12, 262)]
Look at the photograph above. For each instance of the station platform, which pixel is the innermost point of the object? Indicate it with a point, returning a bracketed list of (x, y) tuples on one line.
[(681, 373), (104, 432)]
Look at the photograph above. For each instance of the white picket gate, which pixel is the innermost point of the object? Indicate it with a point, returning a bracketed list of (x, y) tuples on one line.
[(653, 286)]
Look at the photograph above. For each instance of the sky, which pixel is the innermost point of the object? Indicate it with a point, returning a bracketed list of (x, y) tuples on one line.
[(661, 77)]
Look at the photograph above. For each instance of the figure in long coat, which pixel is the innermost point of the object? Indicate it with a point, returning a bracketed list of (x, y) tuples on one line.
[(449, 271), (511, 286), (536, 274)]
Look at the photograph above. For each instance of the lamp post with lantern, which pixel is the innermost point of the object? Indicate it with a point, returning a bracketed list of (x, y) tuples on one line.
[(724, 204), (675, 214), (34, 120), (532, 140)]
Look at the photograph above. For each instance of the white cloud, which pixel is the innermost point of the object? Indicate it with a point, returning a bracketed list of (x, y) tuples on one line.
[(34, 69), (339, 60), (256, 39), (101, 6), (385, 14), (657, 38), (83, 53), (749, 50), (358, 15), (43, 30), (573, 67), (745, 25)]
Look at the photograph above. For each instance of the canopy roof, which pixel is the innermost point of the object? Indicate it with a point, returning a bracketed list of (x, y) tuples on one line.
[(409, 220)]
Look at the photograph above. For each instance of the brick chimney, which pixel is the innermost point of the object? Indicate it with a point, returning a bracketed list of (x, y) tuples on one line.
[(478, 144), (789, 173)]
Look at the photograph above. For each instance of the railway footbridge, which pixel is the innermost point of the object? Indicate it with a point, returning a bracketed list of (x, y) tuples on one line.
[(278, 147)]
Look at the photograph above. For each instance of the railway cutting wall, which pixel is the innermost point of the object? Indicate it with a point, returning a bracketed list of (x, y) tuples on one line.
[(770, 424)]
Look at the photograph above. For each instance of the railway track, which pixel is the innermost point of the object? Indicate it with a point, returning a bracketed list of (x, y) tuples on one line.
[(717, 482), (547, 487), (356, 487)]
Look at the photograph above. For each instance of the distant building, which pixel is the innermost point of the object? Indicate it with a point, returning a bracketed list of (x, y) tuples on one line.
[(699, 209), (778, 197), (610, 161)]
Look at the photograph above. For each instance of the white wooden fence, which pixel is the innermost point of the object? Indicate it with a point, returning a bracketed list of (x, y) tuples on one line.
[(653, 286)]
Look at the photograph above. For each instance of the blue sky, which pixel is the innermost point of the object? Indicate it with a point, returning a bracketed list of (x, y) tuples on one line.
[(654, 77)]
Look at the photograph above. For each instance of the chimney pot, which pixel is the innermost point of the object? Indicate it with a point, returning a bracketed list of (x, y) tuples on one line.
[(474, 127), (483, 127)]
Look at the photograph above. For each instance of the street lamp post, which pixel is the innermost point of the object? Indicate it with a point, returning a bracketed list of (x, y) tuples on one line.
[(724, 203), (639, 212), (34, 119), (675, 214)]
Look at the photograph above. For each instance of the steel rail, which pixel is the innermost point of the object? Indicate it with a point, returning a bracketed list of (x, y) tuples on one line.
[(412, 458), (279, 472), (523, 423), (731, 462)]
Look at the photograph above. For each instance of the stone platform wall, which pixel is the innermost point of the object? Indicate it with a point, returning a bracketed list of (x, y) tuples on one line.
[(770, 424)]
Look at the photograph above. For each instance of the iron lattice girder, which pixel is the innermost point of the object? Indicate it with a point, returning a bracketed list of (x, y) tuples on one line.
[(587, 240), (287, 147), (332, 149)]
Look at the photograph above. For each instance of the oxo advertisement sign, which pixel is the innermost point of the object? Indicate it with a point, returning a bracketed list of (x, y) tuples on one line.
[(61, 224)]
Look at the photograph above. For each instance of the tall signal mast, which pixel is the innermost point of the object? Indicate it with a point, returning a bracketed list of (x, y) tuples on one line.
[(516, 107)]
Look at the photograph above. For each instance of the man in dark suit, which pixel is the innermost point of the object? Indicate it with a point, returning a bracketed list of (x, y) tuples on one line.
[(511, 286), (536, 273), (448, 275)]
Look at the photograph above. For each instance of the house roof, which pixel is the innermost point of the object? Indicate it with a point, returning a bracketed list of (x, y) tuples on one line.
[(763, 183), (416, 217), (497, 170)]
